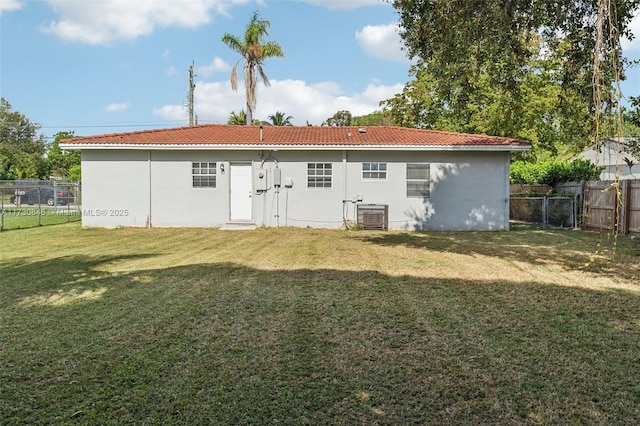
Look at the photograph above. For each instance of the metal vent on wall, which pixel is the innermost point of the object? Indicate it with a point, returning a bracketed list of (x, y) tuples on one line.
[(373, 216)]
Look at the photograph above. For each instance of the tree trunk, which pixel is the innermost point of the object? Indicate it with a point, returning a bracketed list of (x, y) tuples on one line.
[(249, 116)]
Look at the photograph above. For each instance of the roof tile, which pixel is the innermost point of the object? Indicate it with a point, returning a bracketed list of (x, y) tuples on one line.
[(224, 134)]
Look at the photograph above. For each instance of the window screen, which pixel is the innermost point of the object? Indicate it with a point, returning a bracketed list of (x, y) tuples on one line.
[(418, 180)]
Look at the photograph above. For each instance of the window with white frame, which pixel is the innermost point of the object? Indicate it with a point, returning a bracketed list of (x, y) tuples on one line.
[(374, 171), (319, 175), (203, 174), (418, 180)]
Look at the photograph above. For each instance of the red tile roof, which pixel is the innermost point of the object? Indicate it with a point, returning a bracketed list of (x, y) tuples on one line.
[(292, 136)]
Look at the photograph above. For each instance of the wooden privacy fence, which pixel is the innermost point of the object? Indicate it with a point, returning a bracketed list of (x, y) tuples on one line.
[(606, 205)]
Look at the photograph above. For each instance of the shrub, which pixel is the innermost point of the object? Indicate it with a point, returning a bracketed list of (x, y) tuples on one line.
[(75, 173), (553, 172)]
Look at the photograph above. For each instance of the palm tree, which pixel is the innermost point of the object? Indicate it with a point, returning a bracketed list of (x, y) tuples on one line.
[(237, 117), (279, 119), (254, 52)]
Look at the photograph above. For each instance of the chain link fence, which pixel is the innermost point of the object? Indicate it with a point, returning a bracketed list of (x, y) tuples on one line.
[(550, 212), (28, 203)]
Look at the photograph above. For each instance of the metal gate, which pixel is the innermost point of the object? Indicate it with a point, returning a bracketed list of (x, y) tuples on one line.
[(553, 212)]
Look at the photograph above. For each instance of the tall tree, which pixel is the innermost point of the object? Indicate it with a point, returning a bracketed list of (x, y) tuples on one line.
[(254, 51), (493, 36), (21, 148), (340, 118), (59, 162), (465, 47), (237, 118), (632, 119), (376, 118), (538, 108), (279, 119)]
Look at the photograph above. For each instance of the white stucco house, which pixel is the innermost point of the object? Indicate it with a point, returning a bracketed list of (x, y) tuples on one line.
[(614, 156), (216, 175)]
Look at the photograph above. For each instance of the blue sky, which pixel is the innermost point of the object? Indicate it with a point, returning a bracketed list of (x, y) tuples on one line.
[(104, 66)]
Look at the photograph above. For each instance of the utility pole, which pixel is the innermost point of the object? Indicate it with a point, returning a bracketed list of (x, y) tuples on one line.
[(192, 87)]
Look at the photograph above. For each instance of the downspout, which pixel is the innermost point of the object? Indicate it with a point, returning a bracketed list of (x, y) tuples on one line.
[(345, 206), (507, 191), (344, 173), (149, 170)]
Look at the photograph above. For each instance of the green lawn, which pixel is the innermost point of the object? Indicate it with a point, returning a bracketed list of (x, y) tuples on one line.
[(12, 217), (301, 326)]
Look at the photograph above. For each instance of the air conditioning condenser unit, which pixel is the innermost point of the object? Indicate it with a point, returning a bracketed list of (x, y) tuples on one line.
[(373, 216)]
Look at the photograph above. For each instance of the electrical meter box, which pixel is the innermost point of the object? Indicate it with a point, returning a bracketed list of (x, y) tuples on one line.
[(260, 183)]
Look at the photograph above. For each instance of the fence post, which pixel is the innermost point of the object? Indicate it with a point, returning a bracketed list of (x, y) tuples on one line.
[(624, 207), (39, 205), (545, 207), (2, 210), (575, 210), (582, 208), (68, 203)]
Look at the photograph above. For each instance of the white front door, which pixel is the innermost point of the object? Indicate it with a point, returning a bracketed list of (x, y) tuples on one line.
[(240, 192)]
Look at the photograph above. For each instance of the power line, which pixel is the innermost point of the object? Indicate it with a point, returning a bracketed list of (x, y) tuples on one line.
[(111, 125), (153, 125)]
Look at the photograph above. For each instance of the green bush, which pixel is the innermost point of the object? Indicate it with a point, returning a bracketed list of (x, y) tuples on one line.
[(75, 173), (553, 172)]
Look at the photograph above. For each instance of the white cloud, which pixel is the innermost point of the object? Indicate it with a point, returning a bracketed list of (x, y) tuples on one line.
[(117, 107), (216, 65), (635, 30), (344, 4), (172, 112), (382, 42), (171, 71), (10, 5), (106, 21), (214, 101), (327, 87)]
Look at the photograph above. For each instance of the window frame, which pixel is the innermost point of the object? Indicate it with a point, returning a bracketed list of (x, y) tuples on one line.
[(320, 180), (416, 191), (210, 181), (381, 175)]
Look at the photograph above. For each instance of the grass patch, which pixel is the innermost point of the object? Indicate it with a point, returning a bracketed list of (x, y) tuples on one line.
[(297, 326), (31, 216)]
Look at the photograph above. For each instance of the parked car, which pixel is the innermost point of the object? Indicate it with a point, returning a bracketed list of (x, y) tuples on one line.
[(44, 195)]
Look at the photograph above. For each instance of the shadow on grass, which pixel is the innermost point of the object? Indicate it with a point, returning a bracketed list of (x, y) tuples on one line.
[(24, 277), (572, 250), (228, 344)]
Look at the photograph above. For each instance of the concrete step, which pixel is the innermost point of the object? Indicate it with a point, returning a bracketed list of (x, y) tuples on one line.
[(238, 226)]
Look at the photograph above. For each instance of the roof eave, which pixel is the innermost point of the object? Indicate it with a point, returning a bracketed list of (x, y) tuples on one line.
[(307, 147)]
